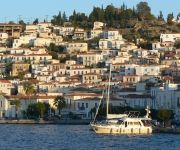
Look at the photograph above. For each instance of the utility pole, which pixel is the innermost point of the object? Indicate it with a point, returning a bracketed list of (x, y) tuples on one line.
[(19, 17), (46, 18)]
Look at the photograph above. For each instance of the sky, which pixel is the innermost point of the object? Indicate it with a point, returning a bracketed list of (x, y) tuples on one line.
[(27, 10)]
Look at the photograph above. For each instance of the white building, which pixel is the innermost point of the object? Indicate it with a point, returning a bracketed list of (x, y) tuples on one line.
[(167, 97), (3, 37), (169, 37), (130, 69), (25, 38), (98, 25), (153, 70), (43, 41), (75, 47), (64, 31), (89, 58)]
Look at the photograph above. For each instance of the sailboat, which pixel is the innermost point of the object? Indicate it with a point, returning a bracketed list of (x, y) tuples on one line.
[(129, 123), (110, 118)]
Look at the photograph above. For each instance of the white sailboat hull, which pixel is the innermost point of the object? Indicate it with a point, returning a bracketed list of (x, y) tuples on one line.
[(122, 130)]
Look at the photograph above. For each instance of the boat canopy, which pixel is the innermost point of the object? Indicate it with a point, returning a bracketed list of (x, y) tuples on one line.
[(111, 116)]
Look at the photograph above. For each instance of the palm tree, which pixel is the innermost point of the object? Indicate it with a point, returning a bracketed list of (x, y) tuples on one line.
[(41, 108), (60, 103), (16, 103), (28, 89)]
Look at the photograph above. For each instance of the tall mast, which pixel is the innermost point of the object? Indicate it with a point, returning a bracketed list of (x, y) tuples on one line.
[(108, 90)]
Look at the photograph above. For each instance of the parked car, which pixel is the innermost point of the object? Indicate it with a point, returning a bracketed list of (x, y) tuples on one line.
[(48, 119), (34, 118)]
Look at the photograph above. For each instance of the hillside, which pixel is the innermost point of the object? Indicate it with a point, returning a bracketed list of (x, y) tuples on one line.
[(149, 30)]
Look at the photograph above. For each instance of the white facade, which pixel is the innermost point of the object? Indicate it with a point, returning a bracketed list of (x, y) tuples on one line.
[(114, 34), (148, 70), (76, 47), (167, 97), (139, 52), (110, 43), (130, 69), (6, 86), (98, 24), (3, 37), (43, 41), (79, 71), (64, 31), (169, 37), (25, 39), (89, 58)]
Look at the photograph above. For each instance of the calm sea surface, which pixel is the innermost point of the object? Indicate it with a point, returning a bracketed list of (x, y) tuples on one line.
[(79, 137)]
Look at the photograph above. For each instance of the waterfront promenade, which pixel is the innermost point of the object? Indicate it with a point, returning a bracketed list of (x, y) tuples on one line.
[(58, 121)]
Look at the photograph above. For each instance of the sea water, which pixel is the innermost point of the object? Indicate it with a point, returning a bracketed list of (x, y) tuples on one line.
[(79, 137)]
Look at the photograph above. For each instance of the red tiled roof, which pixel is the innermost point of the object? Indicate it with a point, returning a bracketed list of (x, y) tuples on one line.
[(92, 73), (5, 81), (26, 97)]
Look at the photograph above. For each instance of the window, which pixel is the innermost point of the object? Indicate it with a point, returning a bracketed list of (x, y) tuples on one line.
[(145, 69), (86, 105), (152, 69), (96, 105)]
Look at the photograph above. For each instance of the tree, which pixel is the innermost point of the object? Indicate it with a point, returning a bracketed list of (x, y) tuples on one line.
[(165, 115), (100, 65), (11, 22), (109, 11), (143, 10), (177, 44), (169, 19), (16, 103), (23, 24), (10, 42), (64, 17), (60, 103), (21, 74), (160, 17), (41, 108), (74, 16), (28, 89), (36, 21), (31, 110)]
